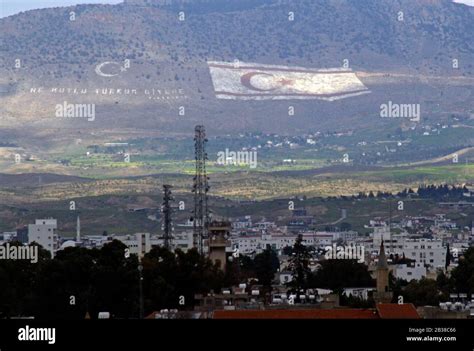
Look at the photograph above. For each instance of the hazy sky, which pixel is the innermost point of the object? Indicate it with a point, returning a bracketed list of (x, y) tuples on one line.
[(10, 7)]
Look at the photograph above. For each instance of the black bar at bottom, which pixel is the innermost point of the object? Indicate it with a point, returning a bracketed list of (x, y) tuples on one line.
[(212, 334)]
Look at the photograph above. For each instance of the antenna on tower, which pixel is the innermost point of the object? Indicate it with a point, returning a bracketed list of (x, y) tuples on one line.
[(167, 211), (200, 189)]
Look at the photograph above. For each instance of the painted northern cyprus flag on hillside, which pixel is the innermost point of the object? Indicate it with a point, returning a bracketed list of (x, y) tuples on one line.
[(251, 81)]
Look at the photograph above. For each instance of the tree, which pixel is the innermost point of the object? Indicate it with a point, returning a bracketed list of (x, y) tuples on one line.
[(445, 285), (448, 257), (115, 282), (287, 250), (17, 279), (266, 264), (159, 279), (299, 265), (421, 293), (63, 289), (463, 274), (171, 278), (196, 274), (338, 274), (396, 285), (80, 280)]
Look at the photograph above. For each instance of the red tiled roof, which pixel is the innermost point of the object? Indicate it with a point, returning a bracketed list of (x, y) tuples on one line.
[(383, 311), (343, 313), (397, 311)]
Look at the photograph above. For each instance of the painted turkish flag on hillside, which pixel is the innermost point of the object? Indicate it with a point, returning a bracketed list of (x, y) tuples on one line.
[(250, 81)]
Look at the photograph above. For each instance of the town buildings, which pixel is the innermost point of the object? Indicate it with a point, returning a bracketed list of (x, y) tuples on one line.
[(44, 233)]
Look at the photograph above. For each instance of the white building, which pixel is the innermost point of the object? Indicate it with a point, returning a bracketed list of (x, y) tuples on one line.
[(427, 251), (141, 243), (138, 244), (470, 191), (95, 241), (381, 233), (257, 243), (348, 236), (183, 241), (7, 236), (242, 223), (408, 273), (44, 233)]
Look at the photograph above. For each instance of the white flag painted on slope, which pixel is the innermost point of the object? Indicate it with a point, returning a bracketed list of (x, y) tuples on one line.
[(250, 81)]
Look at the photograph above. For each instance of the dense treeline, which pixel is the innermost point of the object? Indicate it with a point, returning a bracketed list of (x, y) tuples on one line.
[(80, 281), (435, 192)]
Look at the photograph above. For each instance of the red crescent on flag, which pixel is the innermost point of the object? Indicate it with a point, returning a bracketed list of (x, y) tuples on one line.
[(246, 80)]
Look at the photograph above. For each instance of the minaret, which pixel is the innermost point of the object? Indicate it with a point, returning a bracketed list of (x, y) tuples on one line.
[(78, 230), (381, 275), (382, 271)]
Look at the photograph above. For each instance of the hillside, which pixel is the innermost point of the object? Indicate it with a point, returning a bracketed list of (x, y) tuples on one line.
[(408, 61)]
